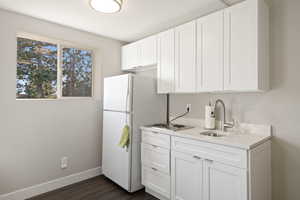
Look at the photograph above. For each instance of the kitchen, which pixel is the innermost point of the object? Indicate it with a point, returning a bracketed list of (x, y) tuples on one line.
[(207, 106), (187, 62)]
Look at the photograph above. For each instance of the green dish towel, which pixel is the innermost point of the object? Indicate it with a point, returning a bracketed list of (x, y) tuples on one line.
[(124, 141)]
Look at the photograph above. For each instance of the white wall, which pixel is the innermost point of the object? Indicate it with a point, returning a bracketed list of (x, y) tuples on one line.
[(279, 107), (35, 134)]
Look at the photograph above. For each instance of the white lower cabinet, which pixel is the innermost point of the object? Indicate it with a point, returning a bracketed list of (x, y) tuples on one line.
[(223, 182), (156, 157), (186, 169), (187, 176), (156, 181), (194, 178)]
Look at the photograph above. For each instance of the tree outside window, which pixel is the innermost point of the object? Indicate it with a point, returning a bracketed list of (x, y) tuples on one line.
[(39, 72), (36, 69), (77, 73)]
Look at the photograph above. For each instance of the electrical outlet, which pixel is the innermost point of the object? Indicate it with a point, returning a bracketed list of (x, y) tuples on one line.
[(188, 107), (64, 162)]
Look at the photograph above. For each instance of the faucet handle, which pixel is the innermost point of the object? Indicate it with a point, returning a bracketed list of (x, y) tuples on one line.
[(229, 124)]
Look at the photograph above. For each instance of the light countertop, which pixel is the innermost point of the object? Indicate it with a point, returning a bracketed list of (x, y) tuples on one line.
[(236, 139)]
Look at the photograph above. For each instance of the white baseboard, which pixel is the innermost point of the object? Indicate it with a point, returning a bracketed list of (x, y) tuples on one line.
[(51, 185)]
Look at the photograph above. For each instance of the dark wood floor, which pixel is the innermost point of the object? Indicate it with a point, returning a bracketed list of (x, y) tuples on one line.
[(98, 188)]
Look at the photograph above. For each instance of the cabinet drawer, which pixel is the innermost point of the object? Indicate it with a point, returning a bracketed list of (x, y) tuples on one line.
[(156, 181), (156, 157), (156, 138), (227, 155)]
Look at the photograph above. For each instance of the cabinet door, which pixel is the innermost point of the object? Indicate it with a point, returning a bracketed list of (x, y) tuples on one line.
[(130, 56), (187, 172), (241, 45), (165, 67), (210, 53), (156, 181), (185, 58), (222, 182), (148, 48)]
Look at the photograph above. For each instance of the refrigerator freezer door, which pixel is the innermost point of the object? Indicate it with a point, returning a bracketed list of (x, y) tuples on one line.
[(117, 93), (115, 160)]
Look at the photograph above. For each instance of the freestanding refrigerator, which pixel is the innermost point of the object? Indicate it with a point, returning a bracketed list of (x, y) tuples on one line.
[(128, 99)]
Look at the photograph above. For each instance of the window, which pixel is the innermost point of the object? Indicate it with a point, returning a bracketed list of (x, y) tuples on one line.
[(52, 70), (77, 72), (36, 69)]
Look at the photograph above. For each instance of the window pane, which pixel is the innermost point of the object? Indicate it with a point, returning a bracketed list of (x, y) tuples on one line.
[(36, 69), (77, 73)]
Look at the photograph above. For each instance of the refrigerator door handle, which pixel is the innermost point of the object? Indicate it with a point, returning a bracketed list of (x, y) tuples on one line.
[(127, 98), (129, 89)]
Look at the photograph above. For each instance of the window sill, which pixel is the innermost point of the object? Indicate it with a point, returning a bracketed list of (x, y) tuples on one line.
[(60, 99)]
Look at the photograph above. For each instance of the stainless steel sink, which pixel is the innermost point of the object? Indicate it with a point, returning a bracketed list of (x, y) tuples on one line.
[(173, 127), (212, 134)]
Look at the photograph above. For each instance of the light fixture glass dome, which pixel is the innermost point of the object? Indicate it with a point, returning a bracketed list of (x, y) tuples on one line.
[(107, 6)]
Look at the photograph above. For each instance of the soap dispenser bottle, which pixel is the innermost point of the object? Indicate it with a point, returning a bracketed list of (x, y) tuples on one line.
[(210, 117)]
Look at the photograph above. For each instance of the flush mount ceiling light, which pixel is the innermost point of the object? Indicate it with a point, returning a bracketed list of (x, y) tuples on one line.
[(107, 6)]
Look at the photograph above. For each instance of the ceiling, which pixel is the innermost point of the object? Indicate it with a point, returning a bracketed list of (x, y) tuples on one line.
[(138, 18)]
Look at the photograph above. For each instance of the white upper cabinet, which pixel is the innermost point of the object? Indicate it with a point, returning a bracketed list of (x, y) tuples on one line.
[(210, 53), (246, 61), (130, 56), (140, 54), (166, 61), (185, 58), (148, 50), (225, 51)]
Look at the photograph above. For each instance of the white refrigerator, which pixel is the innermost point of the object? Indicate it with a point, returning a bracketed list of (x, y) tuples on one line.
[(128, 99)]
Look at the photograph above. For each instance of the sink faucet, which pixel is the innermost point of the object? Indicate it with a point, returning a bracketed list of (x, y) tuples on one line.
[(224, 124)]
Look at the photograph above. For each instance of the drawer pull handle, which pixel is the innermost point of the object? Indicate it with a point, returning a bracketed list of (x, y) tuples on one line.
[(154, 169), (154, 146), (209, 160), (197, 157)]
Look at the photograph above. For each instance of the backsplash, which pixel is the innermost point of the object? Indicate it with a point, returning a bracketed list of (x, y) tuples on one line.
[(248, 107), (243, 128)]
